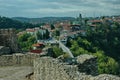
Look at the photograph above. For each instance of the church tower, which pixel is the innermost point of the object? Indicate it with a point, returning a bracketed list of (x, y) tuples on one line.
[(80, 18)]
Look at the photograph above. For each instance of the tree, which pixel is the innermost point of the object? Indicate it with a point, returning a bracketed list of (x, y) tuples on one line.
[(107, 38), (57, 51), (31, 40), (68, 44), (39, 35), (57, 32), (26, 41), (44, 35), (104, 42), (47, 34), (77, 50), (23, 37), (106, 64), (52, 26)]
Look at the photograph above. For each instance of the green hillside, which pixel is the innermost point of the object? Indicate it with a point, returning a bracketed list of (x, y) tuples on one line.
[(9, 23)]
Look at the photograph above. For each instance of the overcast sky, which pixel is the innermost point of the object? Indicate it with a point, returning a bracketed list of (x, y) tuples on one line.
[(58, 8)]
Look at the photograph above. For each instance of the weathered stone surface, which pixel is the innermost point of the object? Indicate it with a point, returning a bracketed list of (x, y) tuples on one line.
[(4, 50), (106, 77), (18, 59), (88, 64), (8, 38), (82, 58), (49, 69), (46, 68)]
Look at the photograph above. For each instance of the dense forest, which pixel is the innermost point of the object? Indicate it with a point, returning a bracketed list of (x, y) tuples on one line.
[(102, 41), (9, 23)]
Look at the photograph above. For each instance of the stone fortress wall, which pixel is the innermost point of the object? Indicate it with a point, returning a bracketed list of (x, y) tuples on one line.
[(47, 68), (18, 59), (8, 38)]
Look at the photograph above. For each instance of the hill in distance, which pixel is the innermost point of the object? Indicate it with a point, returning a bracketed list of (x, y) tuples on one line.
[(43, 19), (10, 23)]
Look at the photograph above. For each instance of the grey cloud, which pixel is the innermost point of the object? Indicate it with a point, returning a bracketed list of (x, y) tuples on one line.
[(115, 2), (58, 7)]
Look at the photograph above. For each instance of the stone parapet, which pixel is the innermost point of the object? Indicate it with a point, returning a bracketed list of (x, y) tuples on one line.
[(46, 68), (18, 59)]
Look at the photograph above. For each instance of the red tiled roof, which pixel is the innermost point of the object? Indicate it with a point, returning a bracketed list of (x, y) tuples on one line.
[(36, 51), (30, 30), (46, 26), (95, 21), (37, 44)]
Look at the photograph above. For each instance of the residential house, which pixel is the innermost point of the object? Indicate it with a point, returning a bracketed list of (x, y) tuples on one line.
[(30, 31), (75, 28), (63, 39), (46, 26), (37, 48), (94, 23)]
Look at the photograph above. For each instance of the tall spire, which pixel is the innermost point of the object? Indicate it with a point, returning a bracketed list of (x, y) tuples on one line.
[(80, 16)]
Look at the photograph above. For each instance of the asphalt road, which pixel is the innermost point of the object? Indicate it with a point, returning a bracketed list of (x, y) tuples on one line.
[(65, 49)]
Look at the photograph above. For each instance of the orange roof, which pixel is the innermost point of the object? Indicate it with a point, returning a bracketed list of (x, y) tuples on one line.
[(95, 21), (37, 44), (30, 30)]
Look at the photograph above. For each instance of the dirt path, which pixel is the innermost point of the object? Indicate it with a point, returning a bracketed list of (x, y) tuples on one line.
[(14, 73)]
